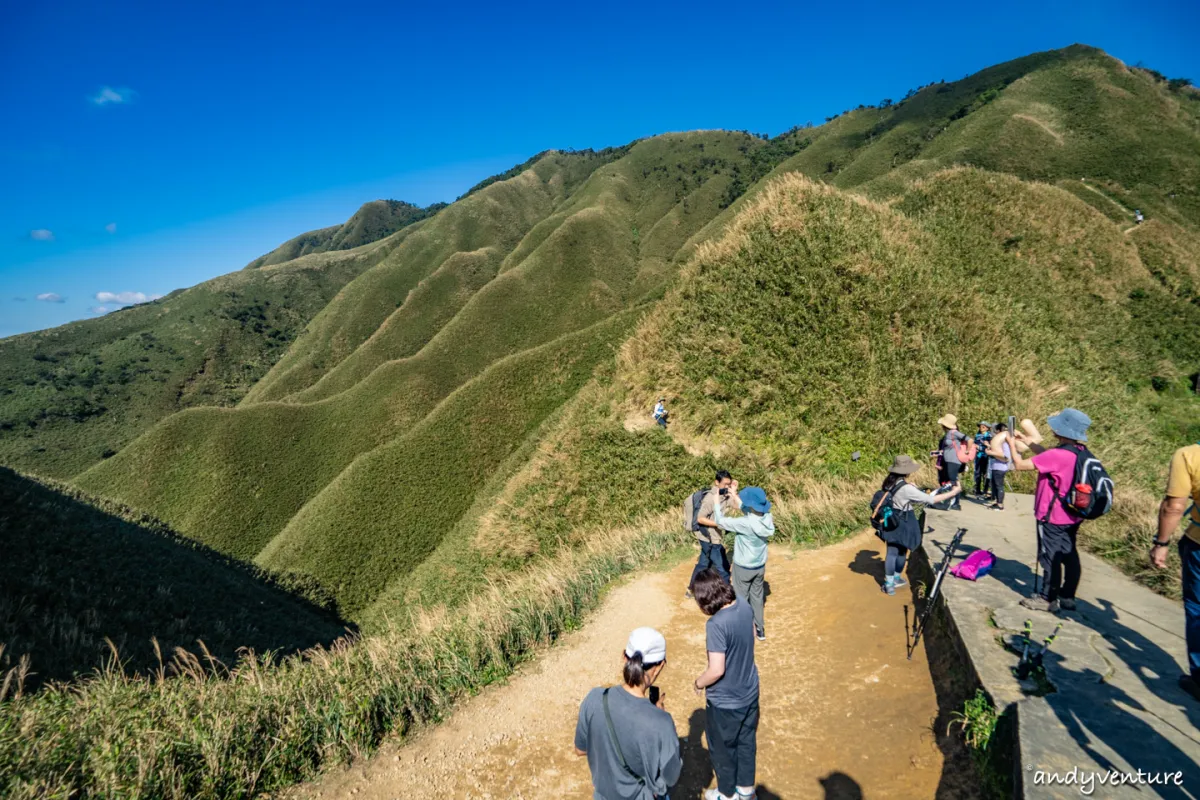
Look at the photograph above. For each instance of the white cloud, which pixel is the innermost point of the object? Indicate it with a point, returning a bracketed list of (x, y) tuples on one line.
[(99, 309), (110, 96), (51, 297), (125, 298), (41, 235), (111, 227)]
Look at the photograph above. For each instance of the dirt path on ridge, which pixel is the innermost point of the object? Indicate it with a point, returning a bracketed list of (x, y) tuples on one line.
[(844, 714)]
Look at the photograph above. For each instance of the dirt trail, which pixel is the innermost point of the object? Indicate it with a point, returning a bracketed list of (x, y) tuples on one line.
[(844, 714)]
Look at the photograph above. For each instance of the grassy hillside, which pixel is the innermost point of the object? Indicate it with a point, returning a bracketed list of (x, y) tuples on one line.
[(372, 222), (235, 479), (452, 447), (79, 573), (73, 395)]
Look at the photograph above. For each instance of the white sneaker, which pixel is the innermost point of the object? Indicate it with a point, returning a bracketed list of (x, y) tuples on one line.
[(713, 794)]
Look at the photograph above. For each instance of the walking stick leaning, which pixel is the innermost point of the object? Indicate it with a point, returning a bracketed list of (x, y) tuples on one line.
[(931, 598)]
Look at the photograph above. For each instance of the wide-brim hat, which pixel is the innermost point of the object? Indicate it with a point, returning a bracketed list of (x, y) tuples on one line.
[(948, 421), (1070, 423), (754, 499), (904, 465)]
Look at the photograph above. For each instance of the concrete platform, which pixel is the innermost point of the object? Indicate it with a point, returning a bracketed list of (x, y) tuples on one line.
[(1109, 700)]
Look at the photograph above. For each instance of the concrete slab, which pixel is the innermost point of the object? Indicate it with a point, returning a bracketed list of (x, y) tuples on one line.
[(1109, 700)]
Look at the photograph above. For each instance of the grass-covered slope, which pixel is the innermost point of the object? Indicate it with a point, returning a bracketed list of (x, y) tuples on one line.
[(78, 573), (372, 222), (235, 478), (72, 395)]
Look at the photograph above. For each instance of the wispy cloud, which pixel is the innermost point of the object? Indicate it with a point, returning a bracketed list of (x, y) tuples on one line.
[(125, 298), (99, 309), (51, 297), (111, 227), (41, 235), (115, 97)]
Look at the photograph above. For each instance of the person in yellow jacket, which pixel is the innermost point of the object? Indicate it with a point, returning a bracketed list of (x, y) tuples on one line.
[(1183, 487)]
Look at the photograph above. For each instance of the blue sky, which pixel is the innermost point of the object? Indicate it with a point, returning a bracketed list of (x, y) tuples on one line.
[(149, 146)]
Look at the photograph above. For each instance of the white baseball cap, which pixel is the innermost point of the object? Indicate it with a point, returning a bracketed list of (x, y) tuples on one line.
[(650, 643)]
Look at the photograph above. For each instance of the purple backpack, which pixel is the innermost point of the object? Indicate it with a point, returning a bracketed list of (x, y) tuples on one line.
[(974, 566)]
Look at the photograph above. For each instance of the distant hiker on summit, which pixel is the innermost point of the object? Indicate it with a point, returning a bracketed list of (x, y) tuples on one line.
[(1183, 487), (628, 737), (953, 452), (1072, 486), (698, 518), (753, 531), (660, 412), (895, 520)]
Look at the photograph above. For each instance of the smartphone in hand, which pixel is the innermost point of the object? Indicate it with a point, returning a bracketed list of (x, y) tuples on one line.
[(653, 696)]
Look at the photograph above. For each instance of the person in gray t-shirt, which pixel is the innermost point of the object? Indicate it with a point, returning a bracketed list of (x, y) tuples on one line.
[(637, 758), (731, 684)]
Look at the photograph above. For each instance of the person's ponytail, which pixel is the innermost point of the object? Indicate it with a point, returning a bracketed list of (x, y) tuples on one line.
[(634, 673)]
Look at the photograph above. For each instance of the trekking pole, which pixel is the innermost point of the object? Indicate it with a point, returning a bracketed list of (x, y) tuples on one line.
[(1023, 666), (940, 573), (1049, 640)]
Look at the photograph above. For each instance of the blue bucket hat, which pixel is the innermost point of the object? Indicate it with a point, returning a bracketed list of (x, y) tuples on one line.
[(1070, 423), (755, 499)]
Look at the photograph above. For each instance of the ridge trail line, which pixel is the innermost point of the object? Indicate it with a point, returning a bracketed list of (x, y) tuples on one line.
[(843, 713)]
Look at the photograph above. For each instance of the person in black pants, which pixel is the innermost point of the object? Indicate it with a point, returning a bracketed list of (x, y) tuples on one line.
[(947, 452), (731, 684), (982, 438)]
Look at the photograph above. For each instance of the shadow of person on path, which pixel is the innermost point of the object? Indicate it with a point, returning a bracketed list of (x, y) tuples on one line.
[(763, 793), (868, 562), (697, 767), (840, 786)]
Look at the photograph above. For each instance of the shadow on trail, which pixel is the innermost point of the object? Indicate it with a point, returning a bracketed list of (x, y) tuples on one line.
[(1104, 719), (697, 772), (837, 786), (868, 562)]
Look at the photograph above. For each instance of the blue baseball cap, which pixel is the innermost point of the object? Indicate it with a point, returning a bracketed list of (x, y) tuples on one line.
[(755, 499)]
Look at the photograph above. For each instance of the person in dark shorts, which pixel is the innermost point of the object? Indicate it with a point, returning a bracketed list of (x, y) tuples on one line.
[(949, 464), (982, 438), (730, 683), (629, 739)]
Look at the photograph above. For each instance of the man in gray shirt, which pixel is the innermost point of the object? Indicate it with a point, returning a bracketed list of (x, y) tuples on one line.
[(638, 759)]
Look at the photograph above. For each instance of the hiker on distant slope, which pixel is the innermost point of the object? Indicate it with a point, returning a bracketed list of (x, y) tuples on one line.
[(708, 533), (982, 438), (660, 412), (1057, 525), (1183, 486), (730, 683), (999, 456), (897, 522), (753, 531), (630, 740), (947, 457)]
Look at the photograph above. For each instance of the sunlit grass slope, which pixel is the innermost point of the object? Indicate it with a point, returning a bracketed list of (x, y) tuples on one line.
[(372, 222), (72, 395), (234, 478)]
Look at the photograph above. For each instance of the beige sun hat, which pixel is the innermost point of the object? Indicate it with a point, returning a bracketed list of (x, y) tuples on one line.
[(904, 465), (948, 421)]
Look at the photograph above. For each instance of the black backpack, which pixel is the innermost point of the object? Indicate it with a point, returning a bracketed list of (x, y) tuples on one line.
[(885, 517), (1090, 495)]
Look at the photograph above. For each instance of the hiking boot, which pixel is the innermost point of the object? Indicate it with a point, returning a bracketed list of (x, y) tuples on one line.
[(899, 583), (889, 586), (1066, 603), (1041, 604), (1189, 685)]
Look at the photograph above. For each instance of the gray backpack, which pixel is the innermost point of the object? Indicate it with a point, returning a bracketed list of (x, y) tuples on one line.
[(691, 509)]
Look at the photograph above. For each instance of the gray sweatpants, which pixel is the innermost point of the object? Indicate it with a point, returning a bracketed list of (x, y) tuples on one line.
[(748, 585)]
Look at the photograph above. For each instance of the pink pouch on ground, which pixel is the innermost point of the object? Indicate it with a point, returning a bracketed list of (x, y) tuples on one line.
[(974, 566)]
